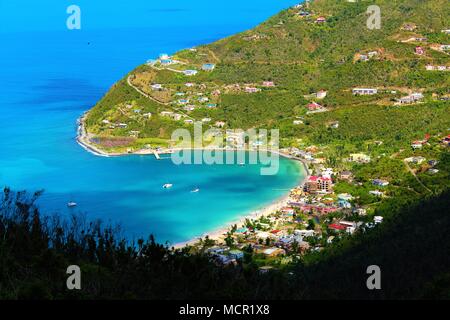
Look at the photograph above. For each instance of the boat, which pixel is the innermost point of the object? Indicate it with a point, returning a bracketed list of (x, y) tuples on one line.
[(167, 186), (241, 164), (195, 190), (71, 204)]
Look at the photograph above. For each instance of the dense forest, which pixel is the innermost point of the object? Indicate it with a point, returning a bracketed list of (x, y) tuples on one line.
[(411, 249)]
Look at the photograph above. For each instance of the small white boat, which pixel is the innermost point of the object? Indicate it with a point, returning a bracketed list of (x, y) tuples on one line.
[(195, 190), (71, 204), (241, 164), (167, 186)]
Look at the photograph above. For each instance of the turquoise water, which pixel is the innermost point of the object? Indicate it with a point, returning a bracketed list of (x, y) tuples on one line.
[(48, 78)]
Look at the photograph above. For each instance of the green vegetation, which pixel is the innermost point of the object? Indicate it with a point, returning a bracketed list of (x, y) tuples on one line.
[(411, 248)]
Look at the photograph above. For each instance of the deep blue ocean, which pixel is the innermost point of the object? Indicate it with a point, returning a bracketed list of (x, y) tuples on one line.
[(50, 75)]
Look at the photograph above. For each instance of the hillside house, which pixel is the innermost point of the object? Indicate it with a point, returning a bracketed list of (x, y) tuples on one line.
[(251, 89), (346, 175), (190, 72), (364, 91), (268, 84), (321, 94), (419, 50), (156, 87), (314, 106), (380, 183), (208, 67), (164, 56), (321, 19), (359, 157)]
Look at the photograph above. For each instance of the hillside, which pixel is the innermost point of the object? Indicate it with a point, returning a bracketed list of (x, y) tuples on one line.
[(296, 56)]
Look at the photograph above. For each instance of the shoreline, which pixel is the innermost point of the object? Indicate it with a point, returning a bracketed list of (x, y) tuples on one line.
[(218, 233)]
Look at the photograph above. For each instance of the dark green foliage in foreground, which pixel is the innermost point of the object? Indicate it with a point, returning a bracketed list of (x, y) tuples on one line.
[(411, 247)]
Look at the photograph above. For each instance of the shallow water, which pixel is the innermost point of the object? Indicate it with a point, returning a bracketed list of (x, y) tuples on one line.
[(50, 77)]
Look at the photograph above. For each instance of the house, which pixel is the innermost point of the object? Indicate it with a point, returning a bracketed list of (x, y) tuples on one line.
[(297, 122), (337, 227), (265, 269), (147, 114), (206, 120), (189, 121), (156, 87), (346, 175), (314, 106), (409, 27), (376, 193), (413, 97), (364, 91), (433, 162), (236, 254), (321, 19), (445, 47), (224, 260), (429, 67), (268, 84), (334, 124), (273, 252), (177, 116), (304, 233), (217, 250), (303, 13), (242, 230), (288, 211), (166, 62), (377, 219), (211, 105), (380, 183), (446, 140), (433, 171), (363, 57), (359, 157), (251, 89), (360, 211), (183, 101), (316, 184), (372, 54), (327, 172), (189, 84), (321, 94), (208, 67), (416, 145), (344, 204), (419, 50), (415, 160), (447, 31), (345, 196), (164, 56), (190, 72), (166, 113)]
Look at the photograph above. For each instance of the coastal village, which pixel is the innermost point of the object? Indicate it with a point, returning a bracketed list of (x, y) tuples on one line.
[(344, 185), (329, 205)]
